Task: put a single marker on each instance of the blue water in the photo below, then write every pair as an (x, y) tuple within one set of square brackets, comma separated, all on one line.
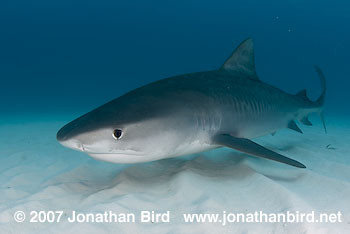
[(63, 56)]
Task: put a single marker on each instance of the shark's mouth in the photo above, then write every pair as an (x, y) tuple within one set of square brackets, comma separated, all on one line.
[(100, 150)]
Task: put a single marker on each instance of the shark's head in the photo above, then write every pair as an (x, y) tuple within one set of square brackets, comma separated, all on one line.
[(130, 130)]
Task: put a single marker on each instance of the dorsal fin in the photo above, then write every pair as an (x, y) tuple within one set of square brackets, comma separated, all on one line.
[(302, 94), (242, 60)]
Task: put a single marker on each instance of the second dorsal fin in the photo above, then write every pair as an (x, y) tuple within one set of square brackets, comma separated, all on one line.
[(302, 94)]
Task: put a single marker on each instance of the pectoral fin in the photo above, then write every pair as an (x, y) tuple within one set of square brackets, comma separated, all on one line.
[(252, 148)]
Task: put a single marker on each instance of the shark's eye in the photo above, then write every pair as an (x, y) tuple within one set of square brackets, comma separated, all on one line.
[(117, 134)]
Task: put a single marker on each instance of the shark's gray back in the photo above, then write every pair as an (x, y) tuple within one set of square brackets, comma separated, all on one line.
[(234, 101), (192, 113)]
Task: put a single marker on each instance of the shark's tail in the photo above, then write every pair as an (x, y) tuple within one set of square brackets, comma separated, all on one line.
[(320, 101)]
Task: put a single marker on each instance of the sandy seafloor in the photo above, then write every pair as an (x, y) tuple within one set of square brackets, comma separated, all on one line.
[(36, 173)]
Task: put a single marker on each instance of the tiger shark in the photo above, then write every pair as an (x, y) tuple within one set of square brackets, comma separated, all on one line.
[(191, 113)]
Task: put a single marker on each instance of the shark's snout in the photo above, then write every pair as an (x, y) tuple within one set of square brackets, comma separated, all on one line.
[(73, 144), (61, 135), (69, 130), (65, 133), (65, 137)]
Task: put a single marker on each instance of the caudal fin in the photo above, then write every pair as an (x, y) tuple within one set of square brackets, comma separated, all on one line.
[(322, 78), (320, 101)]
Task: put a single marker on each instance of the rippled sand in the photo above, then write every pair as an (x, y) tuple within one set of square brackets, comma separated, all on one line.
[(36, 173)]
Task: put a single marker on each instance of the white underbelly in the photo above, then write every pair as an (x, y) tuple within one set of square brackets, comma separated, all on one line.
[(191, 148)]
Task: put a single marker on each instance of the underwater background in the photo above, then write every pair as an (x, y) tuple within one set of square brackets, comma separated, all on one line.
[(60, 59), (60, 56)]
